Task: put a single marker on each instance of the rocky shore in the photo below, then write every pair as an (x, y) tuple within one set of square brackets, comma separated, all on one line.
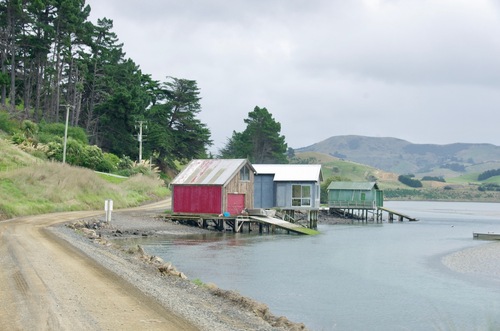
[(205, 305)]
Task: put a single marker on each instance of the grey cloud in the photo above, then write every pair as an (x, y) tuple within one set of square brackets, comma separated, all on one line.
[(325, 67)]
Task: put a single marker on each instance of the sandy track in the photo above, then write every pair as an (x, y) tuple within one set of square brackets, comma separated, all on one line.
[(47, 284)]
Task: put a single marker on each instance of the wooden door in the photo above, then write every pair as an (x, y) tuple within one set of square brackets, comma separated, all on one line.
[(235, 203)]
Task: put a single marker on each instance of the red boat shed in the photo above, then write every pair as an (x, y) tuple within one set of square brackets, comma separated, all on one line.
[(214, 186)]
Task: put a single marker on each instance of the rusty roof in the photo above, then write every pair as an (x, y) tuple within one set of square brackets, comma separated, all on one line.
[(210, 171)]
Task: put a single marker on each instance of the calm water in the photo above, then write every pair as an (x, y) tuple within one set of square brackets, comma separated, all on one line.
[(355, 277)]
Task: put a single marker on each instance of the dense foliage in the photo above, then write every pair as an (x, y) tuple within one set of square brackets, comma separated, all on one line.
[(261, 142), (434, 178), (489, 187), (454, 166), (409, 181), (54, 61), (488, 174)]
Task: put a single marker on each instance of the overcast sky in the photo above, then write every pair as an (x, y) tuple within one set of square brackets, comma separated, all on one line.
[(426, 71)]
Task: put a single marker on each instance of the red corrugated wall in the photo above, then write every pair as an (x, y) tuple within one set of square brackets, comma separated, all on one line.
[(197, 199)]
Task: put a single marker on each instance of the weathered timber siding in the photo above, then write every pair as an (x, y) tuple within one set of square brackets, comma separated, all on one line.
[(238, 186)]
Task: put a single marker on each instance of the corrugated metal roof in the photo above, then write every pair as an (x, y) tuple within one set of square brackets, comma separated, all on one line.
[(291, 172), (209, 171), (363, 186)]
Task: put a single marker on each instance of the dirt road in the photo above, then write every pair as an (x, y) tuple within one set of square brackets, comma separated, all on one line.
[(47, 284)]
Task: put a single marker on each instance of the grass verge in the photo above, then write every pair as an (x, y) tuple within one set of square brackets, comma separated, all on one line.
[(52, 187)]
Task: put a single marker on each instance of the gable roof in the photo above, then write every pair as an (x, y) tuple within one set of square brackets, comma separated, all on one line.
[(360, 186), (291, 172), (210, 171)]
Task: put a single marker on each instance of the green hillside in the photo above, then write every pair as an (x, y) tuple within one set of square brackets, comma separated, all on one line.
[(12, 157), (463, 187), (402, 157), (31, 186)]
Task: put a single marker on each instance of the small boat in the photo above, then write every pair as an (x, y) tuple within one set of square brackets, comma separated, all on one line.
[(486, 235)]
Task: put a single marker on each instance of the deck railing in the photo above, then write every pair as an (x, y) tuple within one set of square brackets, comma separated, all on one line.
[(352, 204)]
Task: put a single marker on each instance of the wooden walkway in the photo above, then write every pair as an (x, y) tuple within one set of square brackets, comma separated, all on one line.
[(236, 224), (401, 216), (283, 224)]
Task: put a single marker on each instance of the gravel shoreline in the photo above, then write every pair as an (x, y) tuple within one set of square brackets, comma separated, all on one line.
[(204, 305), (483, 260)]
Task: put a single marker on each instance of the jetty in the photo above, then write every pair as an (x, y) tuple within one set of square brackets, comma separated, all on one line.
[(256, 218), (400, 216), (486, 235), (279, 223)]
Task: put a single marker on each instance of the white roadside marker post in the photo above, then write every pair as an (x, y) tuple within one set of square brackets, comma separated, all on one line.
[(108, 208)]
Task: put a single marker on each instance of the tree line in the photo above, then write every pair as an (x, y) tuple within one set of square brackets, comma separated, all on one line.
[(54, 62), (488, 174)]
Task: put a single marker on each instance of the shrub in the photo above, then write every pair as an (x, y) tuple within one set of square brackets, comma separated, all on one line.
[(91, 157), (489, 187), (407, 180), (454, 167), (109, 163), (29, 129), (434, 178), (7, 124), (18, 138), (48, 131)]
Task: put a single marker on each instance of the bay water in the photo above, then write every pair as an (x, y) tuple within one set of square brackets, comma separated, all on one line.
[(385, 276)]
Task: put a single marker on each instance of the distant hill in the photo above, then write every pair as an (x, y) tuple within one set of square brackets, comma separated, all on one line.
[(402, 157)]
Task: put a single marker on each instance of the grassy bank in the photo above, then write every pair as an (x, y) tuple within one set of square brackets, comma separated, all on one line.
[(51, 187)]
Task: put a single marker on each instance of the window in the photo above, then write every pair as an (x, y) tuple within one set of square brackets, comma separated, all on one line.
[(301, 195), (244, 173)]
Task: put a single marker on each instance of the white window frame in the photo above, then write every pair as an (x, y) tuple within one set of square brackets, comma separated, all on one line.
[(304, 200)]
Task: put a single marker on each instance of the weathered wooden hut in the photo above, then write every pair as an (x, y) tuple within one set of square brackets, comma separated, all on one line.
[(287, 186), (214, 186), (355, 195)]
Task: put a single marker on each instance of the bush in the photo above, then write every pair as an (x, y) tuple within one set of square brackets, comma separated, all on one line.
[(18, 138), (29, 129), (407, 180), (434, 178), (109, 163), (54, 151), (91, 157), (489, 187), (48, 131), (7, 124), (454, 167)]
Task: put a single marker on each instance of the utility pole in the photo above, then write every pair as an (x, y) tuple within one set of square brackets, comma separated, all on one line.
[(66, 132), (139, 137)]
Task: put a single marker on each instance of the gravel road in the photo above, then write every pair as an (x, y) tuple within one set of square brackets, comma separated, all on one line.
[(55, 278)]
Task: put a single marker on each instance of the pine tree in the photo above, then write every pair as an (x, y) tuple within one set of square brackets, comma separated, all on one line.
[(261, 142)]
